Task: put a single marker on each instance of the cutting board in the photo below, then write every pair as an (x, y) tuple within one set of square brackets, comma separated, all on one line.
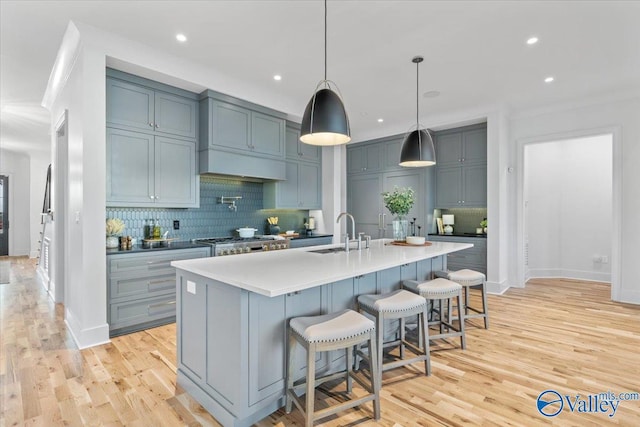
[(408, 244)]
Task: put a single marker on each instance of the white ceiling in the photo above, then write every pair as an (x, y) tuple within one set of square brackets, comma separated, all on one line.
[(475, 53)]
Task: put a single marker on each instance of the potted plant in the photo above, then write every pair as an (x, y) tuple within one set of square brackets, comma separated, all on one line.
[(483, 224), (113, 228), (399, 202)]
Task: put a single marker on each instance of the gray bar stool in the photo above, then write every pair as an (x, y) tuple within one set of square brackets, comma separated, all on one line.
[(470, 279), (342, 330), (441, 290), (398, 304)]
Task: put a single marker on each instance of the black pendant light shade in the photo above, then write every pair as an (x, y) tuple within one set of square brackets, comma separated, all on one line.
[(325, 120), (418, 150), (417, 147)]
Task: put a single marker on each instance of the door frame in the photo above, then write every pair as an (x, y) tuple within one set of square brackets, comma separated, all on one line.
[(60, 214), (6, 229), (616, 197)]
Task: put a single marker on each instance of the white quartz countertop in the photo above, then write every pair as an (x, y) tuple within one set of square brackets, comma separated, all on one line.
[(275, 273)]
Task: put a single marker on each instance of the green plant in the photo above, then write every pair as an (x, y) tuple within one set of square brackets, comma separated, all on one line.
[(399, 201), (483, 223), (114, 226)]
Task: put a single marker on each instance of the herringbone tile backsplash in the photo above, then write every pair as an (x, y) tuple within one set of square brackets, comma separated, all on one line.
[(212, 219)]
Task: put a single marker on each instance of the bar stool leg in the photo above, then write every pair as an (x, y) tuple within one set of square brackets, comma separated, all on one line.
[(376, 373), (484, 306), (402, 334), (349, 359), (466, 302), (290, 371), (379, 347), (311, 384), (463, 338), (423, 319)]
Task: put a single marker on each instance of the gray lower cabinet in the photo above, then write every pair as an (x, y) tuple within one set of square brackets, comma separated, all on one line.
[(147, 170), (136, 106), (474, 258), (141, 288), (237, 372)]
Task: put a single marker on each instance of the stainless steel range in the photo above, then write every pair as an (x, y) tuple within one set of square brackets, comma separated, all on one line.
[(221, 246)]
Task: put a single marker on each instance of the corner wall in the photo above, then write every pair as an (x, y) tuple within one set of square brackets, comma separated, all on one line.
[(16, 167)]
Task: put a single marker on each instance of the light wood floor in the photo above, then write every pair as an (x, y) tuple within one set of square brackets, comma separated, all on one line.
[(555, 334)]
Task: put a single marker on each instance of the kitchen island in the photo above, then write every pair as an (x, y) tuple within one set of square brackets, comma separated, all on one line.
[(232, 314)]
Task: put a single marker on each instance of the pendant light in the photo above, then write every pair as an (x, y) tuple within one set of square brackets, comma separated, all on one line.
[(325, 120), (417, 148)]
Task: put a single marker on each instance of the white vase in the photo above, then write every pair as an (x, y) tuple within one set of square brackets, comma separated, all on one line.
[(112, 242)]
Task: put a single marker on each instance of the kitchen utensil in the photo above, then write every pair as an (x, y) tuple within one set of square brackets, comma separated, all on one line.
[(246, 232)]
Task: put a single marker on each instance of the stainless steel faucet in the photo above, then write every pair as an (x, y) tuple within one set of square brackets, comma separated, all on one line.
[(353, 228)]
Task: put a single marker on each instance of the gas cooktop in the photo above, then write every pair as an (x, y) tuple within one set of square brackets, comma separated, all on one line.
[(215, 240)]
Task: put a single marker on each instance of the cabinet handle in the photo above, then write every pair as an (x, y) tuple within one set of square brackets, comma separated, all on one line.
[(152, 197), (157, 197), (293, 293), (379, 221), (160, 305), (151, 283), (157, 126), (151, 124)]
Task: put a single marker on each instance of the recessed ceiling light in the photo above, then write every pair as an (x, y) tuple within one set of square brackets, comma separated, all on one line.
[(380, 120), (549, 79), (277, 77), (181, 37), (431, 94), (532, 40)]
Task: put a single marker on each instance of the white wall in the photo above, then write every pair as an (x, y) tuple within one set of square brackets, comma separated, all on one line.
[(16, 167), (622, 118), (568, 196)]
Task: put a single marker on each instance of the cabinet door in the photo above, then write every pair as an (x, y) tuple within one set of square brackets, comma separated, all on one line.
[(304, 303), (449, 149), (392, 154), (474, 186), (367, 158), (129, 105), (130, 168), (309, 185), (310, 153), (297, 150), (175, 115), (230, 126), (287, 191), (474, 146), (448, 185), (266, 349), (364, 202), (267, 135), (408, 177), (175, 172)]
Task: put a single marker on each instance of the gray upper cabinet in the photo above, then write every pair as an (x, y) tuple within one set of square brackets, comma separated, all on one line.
[(365, 158), (146, 170), (392, 154), (467, 145), (138, 107), (461, 168), (302, 188), (239, 138), (297, 150), (151, 144)]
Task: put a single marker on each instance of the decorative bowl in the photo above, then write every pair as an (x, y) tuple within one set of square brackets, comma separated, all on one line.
[(416, 240)]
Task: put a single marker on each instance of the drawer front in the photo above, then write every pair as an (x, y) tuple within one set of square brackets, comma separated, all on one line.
[(157, 263), (144, 310), (142, 286), (467, 256)]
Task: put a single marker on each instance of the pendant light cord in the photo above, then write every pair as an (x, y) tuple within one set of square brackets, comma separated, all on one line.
[(417, 90), (325, 40)]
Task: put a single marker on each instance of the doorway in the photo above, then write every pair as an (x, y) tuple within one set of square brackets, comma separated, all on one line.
[(60, 226), (569, 206), (4, 215)]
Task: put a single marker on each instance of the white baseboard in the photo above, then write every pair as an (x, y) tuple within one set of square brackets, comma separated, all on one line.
[(547, 273), (33, 254), (630, 296), (87, 337), (497, 288)]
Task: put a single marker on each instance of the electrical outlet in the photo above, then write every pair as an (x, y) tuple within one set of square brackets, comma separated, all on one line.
[(176, 224), (604, 259), (597, 258)]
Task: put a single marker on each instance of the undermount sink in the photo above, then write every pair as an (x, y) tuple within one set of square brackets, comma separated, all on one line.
[(328, 250)]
